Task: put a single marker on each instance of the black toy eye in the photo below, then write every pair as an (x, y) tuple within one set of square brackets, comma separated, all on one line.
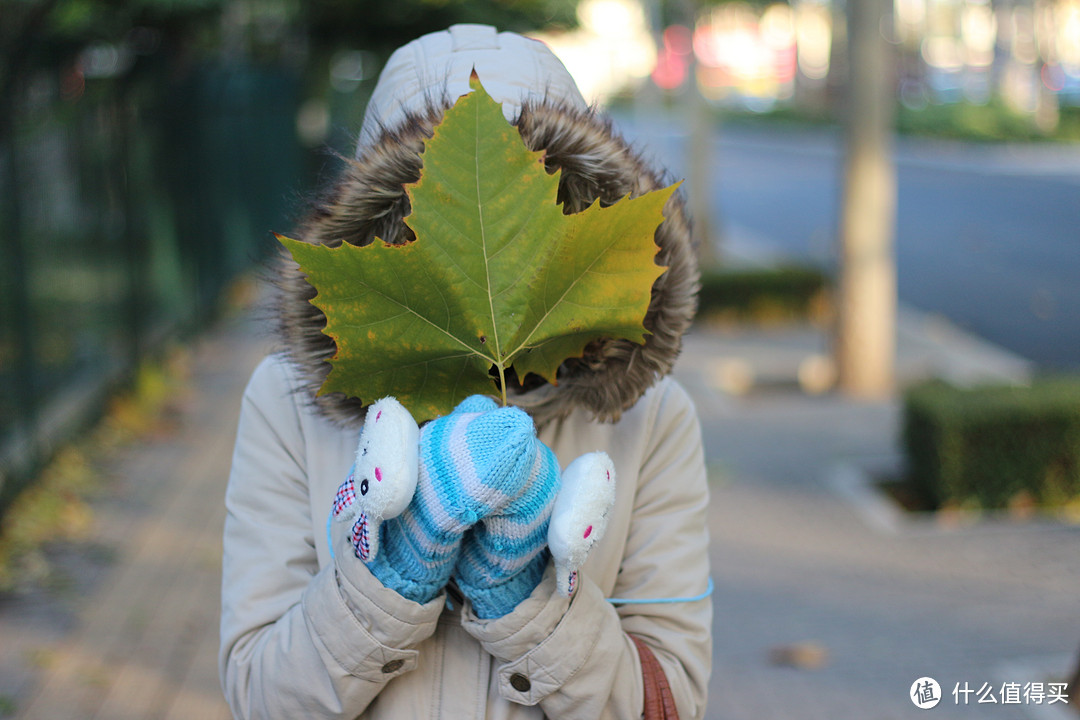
[(363, 486), (363, 452)]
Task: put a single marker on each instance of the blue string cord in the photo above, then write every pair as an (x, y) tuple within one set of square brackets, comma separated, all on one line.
[(329, 541), (662, 601)]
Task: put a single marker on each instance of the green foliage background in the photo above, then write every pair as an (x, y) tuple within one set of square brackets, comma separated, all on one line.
[(986, 447)]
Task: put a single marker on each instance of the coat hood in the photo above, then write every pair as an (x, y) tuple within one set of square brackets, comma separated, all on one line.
[(421, 80)]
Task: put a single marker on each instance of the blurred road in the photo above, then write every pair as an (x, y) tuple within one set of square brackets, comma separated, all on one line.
[(987, 236)]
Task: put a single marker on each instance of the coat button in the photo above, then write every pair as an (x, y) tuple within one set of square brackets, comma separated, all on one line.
[(520, 683), (393, 666)]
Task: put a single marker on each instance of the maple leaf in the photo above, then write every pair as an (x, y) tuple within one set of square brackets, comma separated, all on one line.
[(498, 276)]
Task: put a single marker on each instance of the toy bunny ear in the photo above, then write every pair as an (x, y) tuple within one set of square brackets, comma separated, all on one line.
[(579, 517), (384, 476)]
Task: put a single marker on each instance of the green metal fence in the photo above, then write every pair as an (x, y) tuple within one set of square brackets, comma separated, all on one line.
[(127, 203)]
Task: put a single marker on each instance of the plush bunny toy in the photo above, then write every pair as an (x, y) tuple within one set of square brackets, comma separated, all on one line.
[(474, 495)]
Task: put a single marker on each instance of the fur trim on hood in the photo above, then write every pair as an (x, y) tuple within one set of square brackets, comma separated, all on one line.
[(370, 201)]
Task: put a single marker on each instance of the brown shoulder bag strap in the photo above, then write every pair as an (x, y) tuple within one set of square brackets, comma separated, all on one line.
[(659, 703)]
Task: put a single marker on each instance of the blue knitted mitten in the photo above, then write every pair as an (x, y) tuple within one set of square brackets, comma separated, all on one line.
[(472, 463), (504, 556)]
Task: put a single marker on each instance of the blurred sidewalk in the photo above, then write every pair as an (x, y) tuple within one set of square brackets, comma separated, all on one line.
[(134, 632), (859, 607), (830, 602)]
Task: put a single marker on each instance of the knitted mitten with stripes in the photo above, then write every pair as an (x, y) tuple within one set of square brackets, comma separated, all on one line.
[(504, 554)]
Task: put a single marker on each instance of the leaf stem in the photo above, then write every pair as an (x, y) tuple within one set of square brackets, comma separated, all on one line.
[(502, 382)]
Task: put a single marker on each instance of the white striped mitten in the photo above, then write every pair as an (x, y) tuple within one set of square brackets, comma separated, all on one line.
[(472, 463), (503, 557)]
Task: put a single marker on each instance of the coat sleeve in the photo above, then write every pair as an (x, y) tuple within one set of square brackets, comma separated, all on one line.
[(297, 641), (575, 658)]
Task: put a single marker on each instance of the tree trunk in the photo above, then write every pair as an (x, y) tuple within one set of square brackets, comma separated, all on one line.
[(866, 308), (699, 159)]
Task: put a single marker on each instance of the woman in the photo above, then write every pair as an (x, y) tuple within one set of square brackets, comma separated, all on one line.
[(309, 629)]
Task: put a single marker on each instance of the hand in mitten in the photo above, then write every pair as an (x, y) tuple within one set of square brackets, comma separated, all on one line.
[(504, 556), (470, 464)]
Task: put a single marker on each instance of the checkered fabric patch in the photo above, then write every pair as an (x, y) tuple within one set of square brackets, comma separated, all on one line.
[(346, 495), (360, 543)]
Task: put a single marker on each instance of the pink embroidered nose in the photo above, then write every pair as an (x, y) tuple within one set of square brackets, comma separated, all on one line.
[(378, 415), (588, 532), (608, 473), (378, 474)]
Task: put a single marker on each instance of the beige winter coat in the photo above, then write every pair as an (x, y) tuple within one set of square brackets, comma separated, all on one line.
[(305, 635)]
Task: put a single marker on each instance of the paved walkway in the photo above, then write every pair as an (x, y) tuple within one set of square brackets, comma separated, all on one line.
[(798, 564), (142, 642)]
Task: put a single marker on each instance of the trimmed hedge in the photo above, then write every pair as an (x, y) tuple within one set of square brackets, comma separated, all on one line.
[(989, 446), (789, 292)]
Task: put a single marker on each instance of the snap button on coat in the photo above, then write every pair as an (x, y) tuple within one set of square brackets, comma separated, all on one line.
[(520, 683), (393, 666)]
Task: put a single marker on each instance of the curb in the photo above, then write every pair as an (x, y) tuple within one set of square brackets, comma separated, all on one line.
[(852, 481)]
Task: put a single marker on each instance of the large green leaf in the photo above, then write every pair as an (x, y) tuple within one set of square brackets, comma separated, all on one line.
[(497, 277)]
